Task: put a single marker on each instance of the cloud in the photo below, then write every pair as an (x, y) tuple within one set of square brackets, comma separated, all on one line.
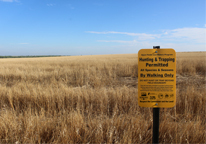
[(23, 43), (9, 0), (141, 36), (50, 4), (180, 35), (118, 41), (197, 35), (183, 47)]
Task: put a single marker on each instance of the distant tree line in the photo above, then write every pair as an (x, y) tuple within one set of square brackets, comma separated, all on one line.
[(35, 56)]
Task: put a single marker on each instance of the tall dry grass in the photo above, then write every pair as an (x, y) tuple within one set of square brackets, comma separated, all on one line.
[(93, 99)]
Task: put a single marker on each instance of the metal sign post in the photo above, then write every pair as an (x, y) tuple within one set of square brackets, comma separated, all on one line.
[(155, 134), (156, 113)]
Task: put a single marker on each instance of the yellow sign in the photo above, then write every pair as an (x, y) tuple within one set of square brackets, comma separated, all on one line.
[(157, 78)]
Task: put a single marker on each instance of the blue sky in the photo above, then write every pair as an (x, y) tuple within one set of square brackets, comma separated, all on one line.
[(90, 27)]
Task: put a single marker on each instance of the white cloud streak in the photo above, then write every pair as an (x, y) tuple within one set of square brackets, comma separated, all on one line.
[(50, 4), (118, 41), (23, 43), (142, 36), (182, 35), (197, 35), (9, 0)]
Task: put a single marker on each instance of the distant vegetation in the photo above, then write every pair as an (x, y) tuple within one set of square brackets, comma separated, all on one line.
[(30, 56)]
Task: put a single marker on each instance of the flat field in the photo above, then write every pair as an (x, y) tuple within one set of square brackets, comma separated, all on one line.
[(93, 99)]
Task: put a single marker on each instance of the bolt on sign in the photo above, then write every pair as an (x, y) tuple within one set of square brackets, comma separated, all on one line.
[(157, 78)]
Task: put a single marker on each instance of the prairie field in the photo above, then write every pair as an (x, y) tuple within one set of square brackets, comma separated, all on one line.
[(93, 99)]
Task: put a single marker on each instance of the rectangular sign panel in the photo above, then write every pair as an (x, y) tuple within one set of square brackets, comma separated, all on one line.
[(157, 78)]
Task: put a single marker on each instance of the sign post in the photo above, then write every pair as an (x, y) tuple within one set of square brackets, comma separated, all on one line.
[(156, 81), (155, 132), (156, 113)]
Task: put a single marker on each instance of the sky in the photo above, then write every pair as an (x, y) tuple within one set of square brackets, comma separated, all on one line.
[(93, 27)]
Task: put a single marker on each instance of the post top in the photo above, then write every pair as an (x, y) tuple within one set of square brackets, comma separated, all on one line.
[(156, 47)]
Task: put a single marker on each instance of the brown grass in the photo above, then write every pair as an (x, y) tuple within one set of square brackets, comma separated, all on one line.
[(93, 99)]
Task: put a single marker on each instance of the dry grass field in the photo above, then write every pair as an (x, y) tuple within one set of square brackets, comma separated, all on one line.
[(93, 99)]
